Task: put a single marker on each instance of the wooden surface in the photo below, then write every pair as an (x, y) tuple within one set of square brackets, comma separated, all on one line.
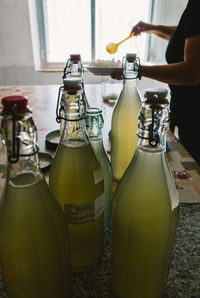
[(42, 100)]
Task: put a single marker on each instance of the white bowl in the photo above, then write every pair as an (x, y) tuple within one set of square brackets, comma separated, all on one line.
[(102, 71)]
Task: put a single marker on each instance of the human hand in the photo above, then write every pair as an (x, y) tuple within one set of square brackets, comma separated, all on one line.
[(117, 75), (141, 27)]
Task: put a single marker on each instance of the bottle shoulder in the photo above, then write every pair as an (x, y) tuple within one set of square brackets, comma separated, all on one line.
[(129, 96), (150, 166), (147, 183)]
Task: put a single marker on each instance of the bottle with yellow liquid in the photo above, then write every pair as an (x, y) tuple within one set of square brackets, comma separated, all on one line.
[(94, 124), (124, 119), (74, 68), (76, 181), (145, 209), (34, 239)]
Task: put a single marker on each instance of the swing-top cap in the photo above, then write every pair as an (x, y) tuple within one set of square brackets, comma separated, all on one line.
[(75, 57), (131, 56), (72, 83), (17, 102), (160, 93)]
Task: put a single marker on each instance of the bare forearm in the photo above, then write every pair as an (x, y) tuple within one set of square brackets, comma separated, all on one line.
[(181, 73), (164, 32)]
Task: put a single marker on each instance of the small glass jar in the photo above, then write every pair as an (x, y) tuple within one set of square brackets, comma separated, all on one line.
[(110, 89)]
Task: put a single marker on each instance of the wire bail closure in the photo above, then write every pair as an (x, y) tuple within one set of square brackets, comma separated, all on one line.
[(65, 72), (14, 156), (58, 116), (59, 108), (153, 138), (136, 68)]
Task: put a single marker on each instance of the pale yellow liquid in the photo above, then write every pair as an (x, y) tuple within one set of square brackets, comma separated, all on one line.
[(76, 178), (107, 175), (144, 221), (124, 131), (34, 252)]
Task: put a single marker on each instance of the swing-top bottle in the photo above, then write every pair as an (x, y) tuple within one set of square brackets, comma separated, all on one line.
[(74, 68), (145, 209), (124, 119), (76, 180), (34, 249), (94, 124)]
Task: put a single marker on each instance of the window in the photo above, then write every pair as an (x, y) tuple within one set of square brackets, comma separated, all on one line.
[(87, 26)]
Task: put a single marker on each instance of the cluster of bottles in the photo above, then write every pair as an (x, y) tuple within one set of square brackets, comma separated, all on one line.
[(48, 231)]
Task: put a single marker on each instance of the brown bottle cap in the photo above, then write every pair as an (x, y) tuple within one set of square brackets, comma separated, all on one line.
[(17, 102)]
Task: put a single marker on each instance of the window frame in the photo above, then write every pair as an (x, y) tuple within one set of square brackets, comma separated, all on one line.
[(38, 32)]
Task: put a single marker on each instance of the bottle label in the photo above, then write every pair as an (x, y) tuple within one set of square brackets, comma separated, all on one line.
[(83, 213), (98, 176)]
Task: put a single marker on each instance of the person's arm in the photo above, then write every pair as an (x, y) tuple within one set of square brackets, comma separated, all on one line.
[(180, 73), (162, 31)]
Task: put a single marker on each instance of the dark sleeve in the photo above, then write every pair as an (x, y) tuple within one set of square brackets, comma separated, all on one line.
[(192, 18)]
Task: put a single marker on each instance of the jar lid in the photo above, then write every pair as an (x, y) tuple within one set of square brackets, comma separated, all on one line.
[(19, 102), (72, 83), (45, 161), (131, 56), (75, 57), (52, 140), (161, 93)]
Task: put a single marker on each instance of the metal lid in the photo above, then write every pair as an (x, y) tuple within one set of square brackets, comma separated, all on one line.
[(18, 102), (52, 140), (45, 161)]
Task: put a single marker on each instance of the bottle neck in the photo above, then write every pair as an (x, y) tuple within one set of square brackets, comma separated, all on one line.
[(129, 82), (153, 123), (75, 69), (156, 144), (94, 124), (74, 132), (74, 114), (94, 131), (130, 71), (24, 166)]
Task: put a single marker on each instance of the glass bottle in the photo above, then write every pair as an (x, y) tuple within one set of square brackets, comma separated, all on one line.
[(76, 181), (94, 124), (145, 209), (34, 250), (74, 68), (124, 119)]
